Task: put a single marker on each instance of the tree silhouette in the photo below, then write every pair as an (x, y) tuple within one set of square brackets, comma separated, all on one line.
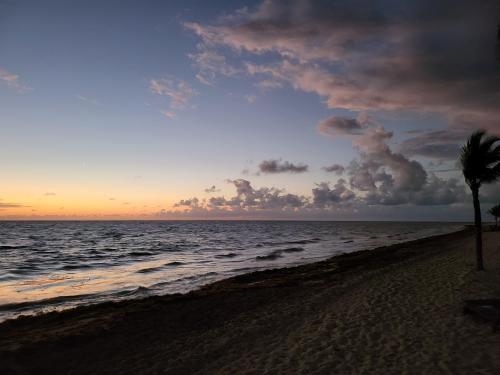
[(495, 212), (480, 161)]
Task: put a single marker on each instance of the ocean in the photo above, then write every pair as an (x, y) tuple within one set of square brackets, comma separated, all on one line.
[(57, 265)]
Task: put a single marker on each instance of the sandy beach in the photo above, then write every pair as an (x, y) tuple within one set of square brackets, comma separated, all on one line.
[(393, 310)]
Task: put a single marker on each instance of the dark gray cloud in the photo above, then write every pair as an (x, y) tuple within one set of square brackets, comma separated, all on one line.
[(448, 151), (438, 144), (339, 126), (211, 189), (278, 166), (435, 192), (375, 55), (335, 168), (325, 197)]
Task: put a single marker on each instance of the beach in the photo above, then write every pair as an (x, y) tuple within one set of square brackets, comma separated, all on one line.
[(392, 310)]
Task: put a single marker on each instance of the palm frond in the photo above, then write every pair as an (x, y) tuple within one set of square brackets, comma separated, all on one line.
[(480, 158), (486, 148)]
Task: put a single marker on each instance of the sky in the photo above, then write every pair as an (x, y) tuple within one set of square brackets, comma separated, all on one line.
[(301, 109)]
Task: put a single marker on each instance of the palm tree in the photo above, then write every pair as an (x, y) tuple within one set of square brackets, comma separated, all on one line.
[(495, 212), (480, 161)]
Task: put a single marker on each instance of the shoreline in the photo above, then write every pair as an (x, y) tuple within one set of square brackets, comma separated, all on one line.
[(237, 304)]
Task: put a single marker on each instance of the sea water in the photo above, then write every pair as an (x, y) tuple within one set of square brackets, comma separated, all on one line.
[(57, 265)]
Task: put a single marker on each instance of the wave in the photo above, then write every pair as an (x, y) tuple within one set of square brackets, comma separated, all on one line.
[(303, 242), (133, 292), (155, 269), (293, 242), (196, 277), (293, 249), (271, 256), (75, 266), (140, 253), (149, 270), (114, 234), (228, 255), (279, 253), (174, 264), (22, 306), (11, 247)]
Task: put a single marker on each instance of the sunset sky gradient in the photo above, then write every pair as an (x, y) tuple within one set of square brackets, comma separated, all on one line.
[(341, 110)]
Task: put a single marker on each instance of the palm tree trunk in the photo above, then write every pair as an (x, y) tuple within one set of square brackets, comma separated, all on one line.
[(478, 228)]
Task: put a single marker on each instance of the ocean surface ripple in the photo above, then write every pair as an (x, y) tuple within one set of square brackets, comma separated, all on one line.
[(56, 265)]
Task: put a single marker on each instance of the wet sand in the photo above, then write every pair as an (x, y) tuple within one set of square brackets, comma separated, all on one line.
[(393, 310)]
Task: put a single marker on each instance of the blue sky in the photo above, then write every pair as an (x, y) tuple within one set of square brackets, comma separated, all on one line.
[(125, 109)]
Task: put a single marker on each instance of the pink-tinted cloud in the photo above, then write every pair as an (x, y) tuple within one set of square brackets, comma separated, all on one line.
[(12, 80), (179, 92), (421, 56)]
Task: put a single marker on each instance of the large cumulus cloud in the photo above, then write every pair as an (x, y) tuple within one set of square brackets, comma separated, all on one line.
[(385, 177)]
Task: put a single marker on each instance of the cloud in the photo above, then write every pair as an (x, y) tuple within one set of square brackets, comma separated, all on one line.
[(179, 92), (87, 100), (268, 84), (50, 194), (334, 168), (324, 196), (390, 178), (339, 126), (377, 177), (168, 114), (10, 205), (384, 177), (251, 98), (278, 166), (247, 199), (12, 80), (192, 203), (406, 174), (210, 64), (211, 189), (366, 55), (438, 144)]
